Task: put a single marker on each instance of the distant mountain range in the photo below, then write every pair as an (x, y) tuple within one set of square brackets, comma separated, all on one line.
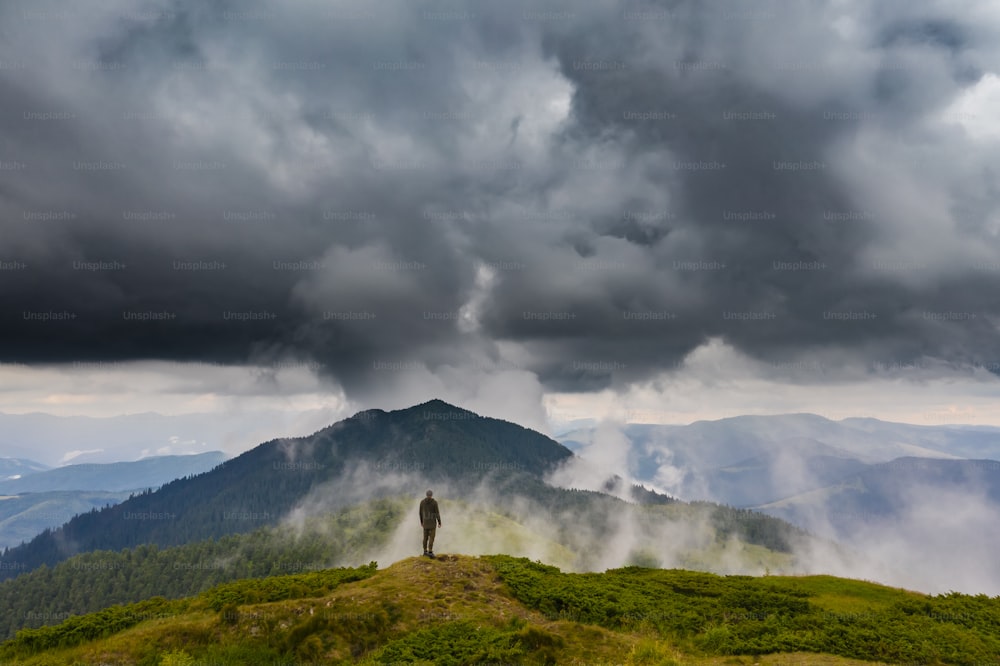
[(60, 440), (137, 475), (755, 460), (886, 493), (42, 498), (15, 468)]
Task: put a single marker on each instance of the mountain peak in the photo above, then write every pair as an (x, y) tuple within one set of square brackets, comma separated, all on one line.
[(437, 405), (365, 414)]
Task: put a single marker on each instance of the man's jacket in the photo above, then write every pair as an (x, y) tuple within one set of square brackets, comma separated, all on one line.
[(430, 518)]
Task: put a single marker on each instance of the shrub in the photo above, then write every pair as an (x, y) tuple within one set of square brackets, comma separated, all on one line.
[(729, 615), (176, 658)]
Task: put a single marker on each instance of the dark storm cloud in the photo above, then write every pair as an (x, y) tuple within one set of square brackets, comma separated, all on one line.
[(236, 182), (761, 228)]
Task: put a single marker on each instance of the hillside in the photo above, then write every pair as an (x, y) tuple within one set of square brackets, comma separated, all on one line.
[(370, 454), (498, 609), (705, 537)]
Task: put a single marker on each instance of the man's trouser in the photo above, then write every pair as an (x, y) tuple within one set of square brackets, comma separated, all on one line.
[(429, 539)]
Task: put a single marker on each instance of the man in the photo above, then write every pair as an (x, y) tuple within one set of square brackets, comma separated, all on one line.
[(430, 520)]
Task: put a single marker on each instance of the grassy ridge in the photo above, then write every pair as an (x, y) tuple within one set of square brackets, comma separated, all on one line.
[(746, 615), (463, 610)]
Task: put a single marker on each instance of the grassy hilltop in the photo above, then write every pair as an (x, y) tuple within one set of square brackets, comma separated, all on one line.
[(500, 609)]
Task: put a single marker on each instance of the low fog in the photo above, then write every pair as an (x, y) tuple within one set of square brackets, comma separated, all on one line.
[(943, 540), (608, 532)]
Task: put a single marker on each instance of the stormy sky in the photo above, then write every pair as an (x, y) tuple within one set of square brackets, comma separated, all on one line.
[(537, 210)]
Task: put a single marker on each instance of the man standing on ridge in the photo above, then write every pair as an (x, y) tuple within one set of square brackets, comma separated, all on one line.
[(430, 520)]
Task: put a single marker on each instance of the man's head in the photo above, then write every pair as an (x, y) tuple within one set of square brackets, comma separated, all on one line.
[(430, 493)]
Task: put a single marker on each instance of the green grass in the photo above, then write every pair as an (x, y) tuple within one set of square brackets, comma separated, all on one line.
[(500, 609), (277, 588), (453, 644)]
